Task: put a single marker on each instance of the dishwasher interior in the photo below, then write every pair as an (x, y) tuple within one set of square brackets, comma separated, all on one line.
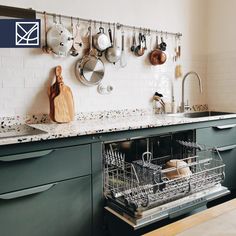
[(152, 178)]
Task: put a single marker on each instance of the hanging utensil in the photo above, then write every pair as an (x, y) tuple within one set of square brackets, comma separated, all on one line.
[(123, 60), (139, 50), (73, 51), (178, 67), (77, 43), (145, 40), (133, 42), (162, 45), (157, 56), (90, 69), (113, 53), (45, 48)]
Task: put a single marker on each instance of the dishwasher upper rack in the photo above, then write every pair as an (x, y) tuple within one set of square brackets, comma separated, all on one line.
[(126, 186)]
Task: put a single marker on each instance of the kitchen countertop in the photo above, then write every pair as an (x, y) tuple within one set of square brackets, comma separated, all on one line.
[(102, 125)]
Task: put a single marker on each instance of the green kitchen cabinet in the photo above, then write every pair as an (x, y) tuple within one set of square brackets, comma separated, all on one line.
[(58, 209), (46, 192), (24, 170), (223, 138)]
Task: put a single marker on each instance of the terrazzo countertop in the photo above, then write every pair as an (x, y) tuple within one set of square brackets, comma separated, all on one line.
[(46, 130)]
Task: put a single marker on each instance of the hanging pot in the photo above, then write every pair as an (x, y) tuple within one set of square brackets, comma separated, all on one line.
[(90, 69), (157, 56), (113, 53), (101, 41), (59, 39)]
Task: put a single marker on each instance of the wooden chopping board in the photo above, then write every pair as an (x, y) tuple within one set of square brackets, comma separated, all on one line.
[(61, 100), (64, 105)]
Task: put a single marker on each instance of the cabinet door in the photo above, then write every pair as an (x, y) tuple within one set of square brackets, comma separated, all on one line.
[(25, 170), (218, 136), (228, 154), (61, 209)]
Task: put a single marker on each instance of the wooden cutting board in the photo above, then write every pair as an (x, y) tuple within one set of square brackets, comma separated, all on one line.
[(61, 100), (64, 105)]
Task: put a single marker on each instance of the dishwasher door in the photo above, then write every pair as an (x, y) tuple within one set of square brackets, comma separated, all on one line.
[(169, 210)]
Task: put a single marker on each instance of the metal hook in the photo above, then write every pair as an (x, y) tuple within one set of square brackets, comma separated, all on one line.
[(60, 19), (119, 26), (54, 18), (90, 25), (71, 22), (122, 30)]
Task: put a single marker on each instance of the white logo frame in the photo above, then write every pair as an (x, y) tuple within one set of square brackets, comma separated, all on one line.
[(26, 37)]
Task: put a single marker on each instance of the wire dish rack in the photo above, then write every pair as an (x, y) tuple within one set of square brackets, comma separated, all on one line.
[(146, 183)]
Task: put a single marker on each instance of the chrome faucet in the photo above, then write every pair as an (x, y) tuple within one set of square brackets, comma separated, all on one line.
[(182, 107)]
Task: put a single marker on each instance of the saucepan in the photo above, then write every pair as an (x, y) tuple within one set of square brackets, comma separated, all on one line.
[(157, 56), (90, 69), (101, 41)]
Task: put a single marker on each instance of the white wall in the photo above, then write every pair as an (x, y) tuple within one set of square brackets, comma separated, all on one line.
[(26, 73), (221, 72)]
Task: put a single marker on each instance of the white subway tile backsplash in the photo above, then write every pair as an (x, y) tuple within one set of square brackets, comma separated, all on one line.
[(12, 62), (30, 72), (13, 78)]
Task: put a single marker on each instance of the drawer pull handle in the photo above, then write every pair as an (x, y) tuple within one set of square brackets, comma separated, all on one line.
[(26, 192), (226, 148), (225, 126), (24, 156)]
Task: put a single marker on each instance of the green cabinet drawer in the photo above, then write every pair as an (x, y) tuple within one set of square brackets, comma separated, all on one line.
[(58, 210), (216, 136), (228, 154), (36, 168)]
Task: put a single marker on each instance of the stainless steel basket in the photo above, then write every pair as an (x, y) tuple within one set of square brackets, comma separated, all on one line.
[(135, 186)]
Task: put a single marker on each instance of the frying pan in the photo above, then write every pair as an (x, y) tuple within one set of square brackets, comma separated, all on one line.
[(113, 53), (90, 69)]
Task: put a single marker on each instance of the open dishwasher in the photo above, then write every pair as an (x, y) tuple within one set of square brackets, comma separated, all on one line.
[(150, 179)]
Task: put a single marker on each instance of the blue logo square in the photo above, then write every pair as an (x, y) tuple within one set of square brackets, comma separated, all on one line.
[(20, 33)]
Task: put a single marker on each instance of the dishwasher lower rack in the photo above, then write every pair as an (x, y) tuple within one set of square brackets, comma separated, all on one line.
[(138, 189)]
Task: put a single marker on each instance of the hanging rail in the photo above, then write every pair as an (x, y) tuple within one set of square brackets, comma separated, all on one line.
[(118, 25)]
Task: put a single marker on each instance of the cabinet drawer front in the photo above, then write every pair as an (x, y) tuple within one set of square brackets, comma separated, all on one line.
[(228, 154), (37, 168), (63, 209), (217, 135)]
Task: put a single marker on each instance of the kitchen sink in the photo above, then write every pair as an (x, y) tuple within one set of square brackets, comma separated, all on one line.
[(205, 114), (200, 114), (13, 131)]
